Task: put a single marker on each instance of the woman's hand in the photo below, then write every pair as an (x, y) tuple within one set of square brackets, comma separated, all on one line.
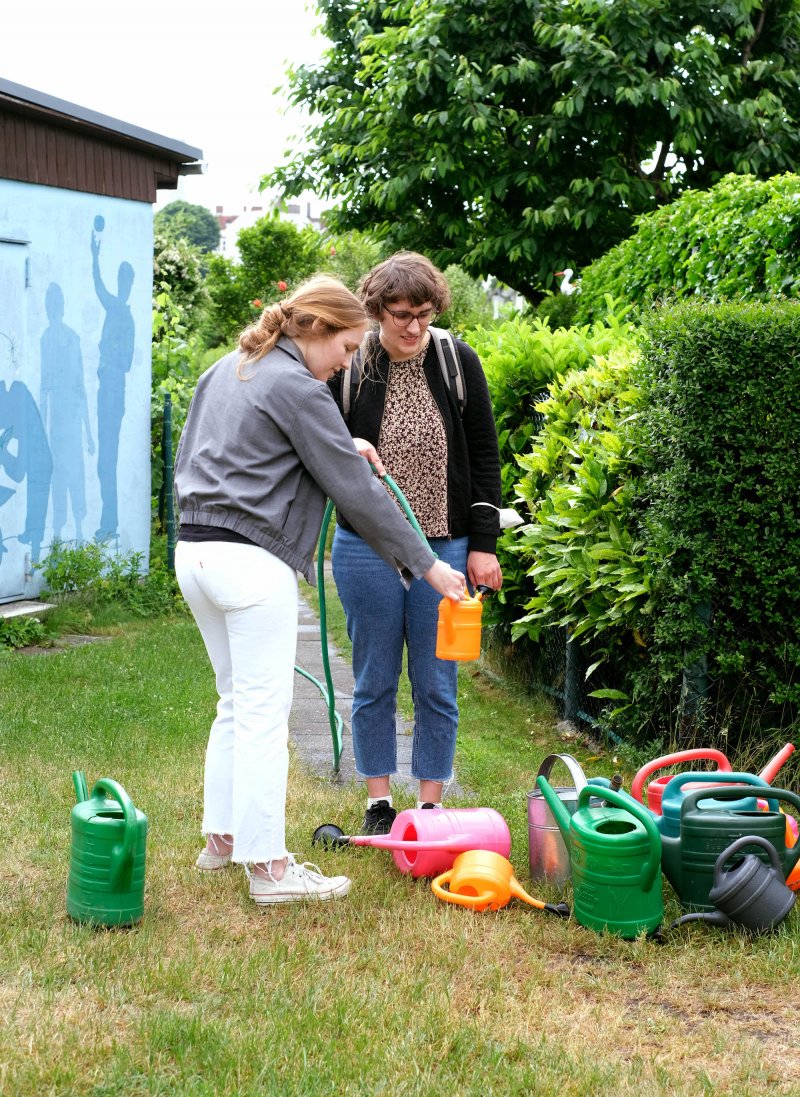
[(484, 570), (446, 580), (366, 449)]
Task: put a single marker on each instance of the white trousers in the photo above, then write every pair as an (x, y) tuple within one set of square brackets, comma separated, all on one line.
[(244, 601)]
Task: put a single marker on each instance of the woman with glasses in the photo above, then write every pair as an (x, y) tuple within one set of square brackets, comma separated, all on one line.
[(447, 465)]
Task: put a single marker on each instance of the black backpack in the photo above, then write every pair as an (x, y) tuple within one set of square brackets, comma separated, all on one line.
[(449, 362)]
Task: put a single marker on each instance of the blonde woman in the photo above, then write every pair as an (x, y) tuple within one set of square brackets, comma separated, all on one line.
[(262, 448)]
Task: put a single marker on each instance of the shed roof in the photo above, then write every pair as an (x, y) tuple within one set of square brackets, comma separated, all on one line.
[(55, 143)]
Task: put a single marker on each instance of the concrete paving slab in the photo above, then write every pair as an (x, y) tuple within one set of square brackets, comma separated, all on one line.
[(309, 724)]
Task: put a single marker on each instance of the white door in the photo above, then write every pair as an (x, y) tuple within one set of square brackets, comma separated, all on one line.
[(15, 561)]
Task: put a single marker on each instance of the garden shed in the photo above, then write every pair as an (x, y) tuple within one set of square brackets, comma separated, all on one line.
[(76, 259)]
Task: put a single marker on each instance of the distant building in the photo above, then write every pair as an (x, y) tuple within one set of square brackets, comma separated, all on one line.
[(76, 275), (302, 212)]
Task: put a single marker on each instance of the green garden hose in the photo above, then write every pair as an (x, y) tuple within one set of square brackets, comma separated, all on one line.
[(334, 718)]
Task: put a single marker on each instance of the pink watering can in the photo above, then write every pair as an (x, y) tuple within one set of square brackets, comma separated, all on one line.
[(426, 842)]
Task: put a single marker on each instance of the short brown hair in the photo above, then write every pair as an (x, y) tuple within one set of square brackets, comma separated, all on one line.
[(405, 276)]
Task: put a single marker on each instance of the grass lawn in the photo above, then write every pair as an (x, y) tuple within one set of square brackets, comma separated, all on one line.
[(387, 992)]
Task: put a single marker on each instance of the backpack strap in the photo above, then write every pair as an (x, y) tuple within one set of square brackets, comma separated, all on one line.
[(351, 380), (450, 364)]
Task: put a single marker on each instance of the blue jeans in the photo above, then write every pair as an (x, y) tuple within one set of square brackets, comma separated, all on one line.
[(382, 616)]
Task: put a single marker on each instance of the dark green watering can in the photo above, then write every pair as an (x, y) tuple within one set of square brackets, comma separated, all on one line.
[(705, 831), (615, 858), (106, 872)]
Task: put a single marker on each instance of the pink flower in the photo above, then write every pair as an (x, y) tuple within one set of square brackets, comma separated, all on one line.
[(282, 286), (258, 304), (333, 250)]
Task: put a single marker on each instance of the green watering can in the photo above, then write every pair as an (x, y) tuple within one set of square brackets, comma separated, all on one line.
[(615, 856), (106, 872), (688, 859)]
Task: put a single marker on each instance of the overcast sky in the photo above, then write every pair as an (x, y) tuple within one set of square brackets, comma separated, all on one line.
[(203, 75)]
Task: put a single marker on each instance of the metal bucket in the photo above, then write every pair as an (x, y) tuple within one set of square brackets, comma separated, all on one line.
[(547, 853)]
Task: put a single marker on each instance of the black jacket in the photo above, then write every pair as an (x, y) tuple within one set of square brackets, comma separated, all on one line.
[(473, 460)]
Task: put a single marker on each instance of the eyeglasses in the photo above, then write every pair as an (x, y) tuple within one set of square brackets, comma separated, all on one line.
[(402, 319)]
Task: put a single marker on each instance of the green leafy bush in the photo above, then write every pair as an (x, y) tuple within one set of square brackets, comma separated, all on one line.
[(91, 575), (740, 239), (470, 306), (521, 360), (21, 632)]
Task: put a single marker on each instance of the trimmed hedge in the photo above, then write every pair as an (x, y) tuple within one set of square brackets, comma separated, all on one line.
[(722, 387)]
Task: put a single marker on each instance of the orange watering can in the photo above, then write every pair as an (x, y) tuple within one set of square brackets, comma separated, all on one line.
[(483, 880), (458, 633)]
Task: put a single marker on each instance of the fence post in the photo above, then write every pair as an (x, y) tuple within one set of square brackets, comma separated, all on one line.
[(169, 501), (572, 680)]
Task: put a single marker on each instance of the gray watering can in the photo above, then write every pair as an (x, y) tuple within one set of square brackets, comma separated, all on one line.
[(750, 893), (548, 856)]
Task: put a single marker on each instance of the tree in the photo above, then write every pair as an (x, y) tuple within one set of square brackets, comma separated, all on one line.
[(519, 138), (176, 269), (183, 221), (274, 257)]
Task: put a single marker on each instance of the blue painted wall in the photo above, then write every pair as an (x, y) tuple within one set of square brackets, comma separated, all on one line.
[(76, 274)]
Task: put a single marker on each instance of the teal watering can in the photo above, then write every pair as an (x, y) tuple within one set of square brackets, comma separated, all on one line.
[(615, 858), (669, 821), (106, 872), (706, 829)]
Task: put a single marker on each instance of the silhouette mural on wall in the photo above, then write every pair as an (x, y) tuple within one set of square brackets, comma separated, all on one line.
[(65, 413), (116, 356), (24, 452)]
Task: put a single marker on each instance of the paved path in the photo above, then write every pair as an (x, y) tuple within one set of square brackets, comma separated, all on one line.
[(309, 726)]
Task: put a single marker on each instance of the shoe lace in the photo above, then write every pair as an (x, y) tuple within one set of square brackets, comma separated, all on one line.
[(380, 812), (306, 868)]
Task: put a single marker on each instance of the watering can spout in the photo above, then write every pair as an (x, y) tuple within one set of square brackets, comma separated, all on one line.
[(770, 770), (80, 785), (560, 813)]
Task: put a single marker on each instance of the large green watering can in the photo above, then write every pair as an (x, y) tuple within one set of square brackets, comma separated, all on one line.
[(688, 859), (106, 872), (615, 857)]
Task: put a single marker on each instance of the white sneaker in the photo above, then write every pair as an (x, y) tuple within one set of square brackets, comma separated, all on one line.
[(298, 882), (212, 862)]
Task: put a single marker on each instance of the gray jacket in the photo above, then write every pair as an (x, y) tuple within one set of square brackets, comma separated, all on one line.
[(259, 456)]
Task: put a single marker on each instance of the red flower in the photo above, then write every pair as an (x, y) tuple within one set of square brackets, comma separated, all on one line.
[(283, 286), (258, 304), (333, 250)]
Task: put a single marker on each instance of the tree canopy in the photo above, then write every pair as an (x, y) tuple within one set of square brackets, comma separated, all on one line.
[(519, 138), (181, 220)]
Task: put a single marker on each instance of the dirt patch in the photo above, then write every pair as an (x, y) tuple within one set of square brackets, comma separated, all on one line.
[(63, 643)]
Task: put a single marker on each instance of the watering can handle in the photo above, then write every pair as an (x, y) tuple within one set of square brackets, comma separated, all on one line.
[(696, 755), (80, 786), (741, 843), (572, 764), (446, 610), (473, 901), (732, 792), (622, 800), (122, 855), (745, 782)]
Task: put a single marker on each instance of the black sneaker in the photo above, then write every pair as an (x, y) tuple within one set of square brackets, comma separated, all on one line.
[(427, 806), (379, 818)]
